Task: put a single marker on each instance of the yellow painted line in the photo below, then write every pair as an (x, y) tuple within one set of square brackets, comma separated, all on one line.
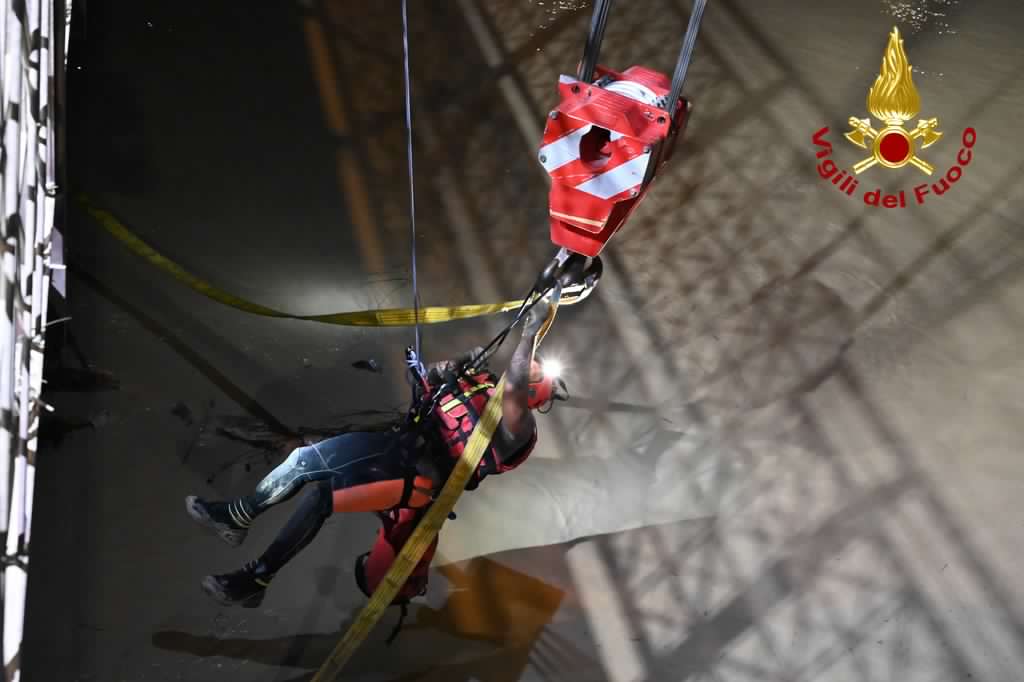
[(358, 200), (326, 77), (353, 184)]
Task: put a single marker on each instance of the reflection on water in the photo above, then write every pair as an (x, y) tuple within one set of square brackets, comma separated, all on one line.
[(553, 10), (920, 14)]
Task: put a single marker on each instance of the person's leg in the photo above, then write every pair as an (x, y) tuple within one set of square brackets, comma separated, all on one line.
[(249, 584), (320, 461), (386, 493), (371, 459)]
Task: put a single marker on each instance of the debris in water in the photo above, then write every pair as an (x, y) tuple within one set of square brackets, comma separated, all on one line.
[(181, 411), (307, 363), (368, 365)]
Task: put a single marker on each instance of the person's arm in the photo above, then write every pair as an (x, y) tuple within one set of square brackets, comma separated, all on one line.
[(517, 422)]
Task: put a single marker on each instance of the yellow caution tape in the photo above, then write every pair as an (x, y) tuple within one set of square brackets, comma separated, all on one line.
[(426, 530), (384, 317)]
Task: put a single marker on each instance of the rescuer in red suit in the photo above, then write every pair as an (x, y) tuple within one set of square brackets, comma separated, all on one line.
[(395, 473)]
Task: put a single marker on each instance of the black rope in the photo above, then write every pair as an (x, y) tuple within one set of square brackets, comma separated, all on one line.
[(398, 626), (19, 560)]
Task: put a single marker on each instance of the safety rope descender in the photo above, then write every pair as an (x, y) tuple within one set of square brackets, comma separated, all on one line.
[(608, 137)]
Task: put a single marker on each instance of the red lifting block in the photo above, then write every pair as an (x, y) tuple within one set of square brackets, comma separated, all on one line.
[(602, 147)]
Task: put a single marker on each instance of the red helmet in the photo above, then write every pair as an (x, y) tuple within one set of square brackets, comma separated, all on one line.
[(544, 388)]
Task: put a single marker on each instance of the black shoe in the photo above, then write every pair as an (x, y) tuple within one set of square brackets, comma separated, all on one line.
[(217, 516), (246, 586)]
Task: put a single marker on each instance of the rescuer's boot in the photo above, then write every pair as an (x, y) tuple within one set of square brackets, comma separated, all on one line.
[(229, 520), (246, 586)]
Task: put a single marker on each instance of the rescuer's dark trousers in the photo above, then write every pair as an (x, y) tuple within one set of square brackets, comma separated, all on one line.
[(352, 472)]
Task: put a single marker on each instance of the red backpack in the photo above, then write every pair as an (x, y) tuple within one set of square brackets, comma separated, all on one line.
[(372, 566)]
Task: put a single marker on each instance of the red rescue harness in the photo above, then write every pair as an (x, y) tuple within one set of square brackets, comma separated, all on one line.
[(458, 410), (460, 403)]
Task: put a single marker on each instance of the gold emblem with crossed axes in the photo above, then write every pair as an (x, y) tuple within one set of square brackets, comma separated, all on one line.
[(893, 99)]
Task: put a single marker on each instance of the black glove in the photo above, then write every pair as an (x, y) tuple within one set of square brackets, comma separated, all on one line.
[(436, 370)]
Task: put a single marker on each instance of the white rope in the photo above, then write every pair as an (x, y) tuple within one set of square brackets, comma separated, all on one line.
[(634, 90), (412, 188)]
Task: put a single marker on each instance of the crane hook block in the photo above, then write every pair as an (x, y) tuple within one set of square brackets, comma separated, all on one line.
[(602, 147)]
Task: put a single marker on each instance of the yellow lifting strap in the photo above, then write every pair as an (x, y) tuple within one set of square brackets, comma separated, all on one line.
[(384, 317), (421, 538), (455, 402), (427, 529)]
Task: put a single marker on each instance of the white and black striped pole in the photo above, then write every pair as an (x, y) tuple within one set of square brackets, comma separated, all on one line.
[(27, 191)]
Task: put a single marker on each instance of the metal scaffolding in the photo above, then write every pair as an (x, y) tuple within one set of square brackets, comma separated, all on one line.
[(34, 63)]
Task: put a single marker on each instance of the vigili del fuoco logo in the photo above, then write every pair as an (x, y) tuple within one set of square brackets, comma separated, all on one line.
[(893, 100)]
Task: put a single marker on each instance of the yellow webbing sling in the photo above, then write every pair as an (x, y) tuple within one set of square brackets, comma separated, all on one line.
[(427, 529)]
